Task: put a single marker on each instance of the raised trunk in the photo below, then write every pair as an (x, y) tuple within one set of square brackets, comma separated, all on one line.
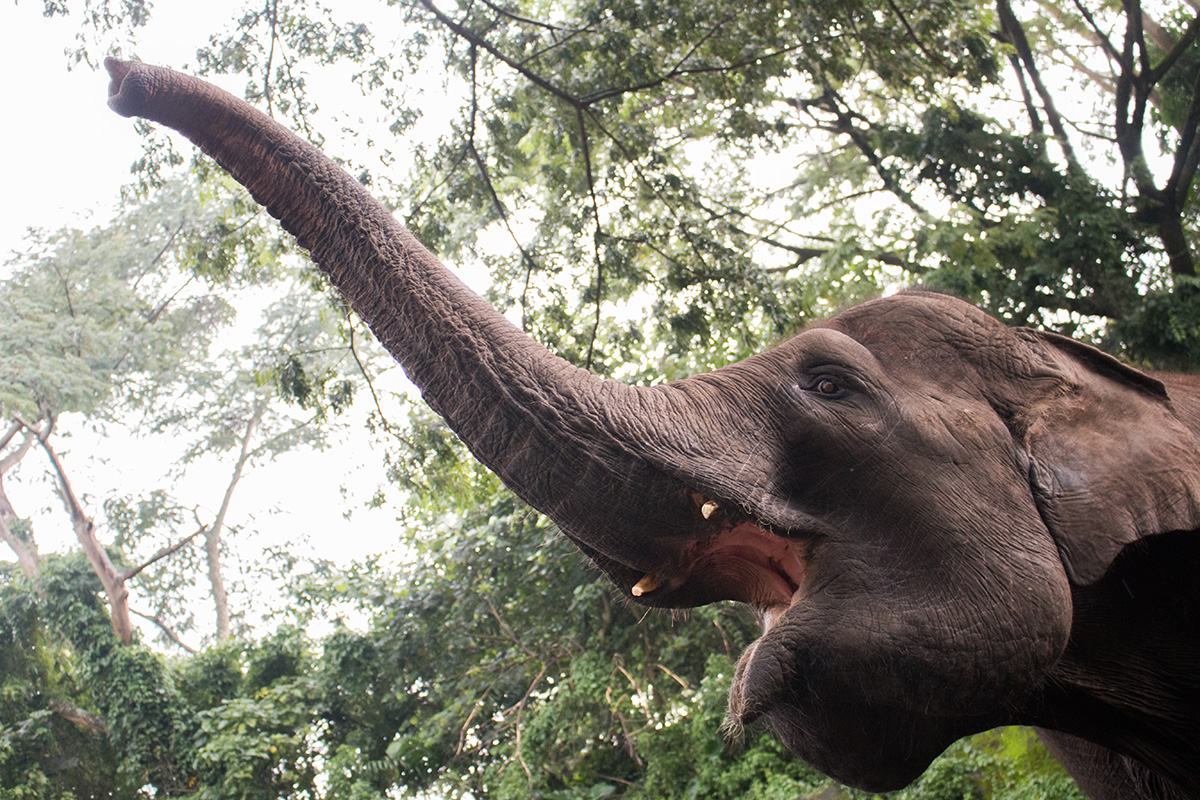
[(578, 448)]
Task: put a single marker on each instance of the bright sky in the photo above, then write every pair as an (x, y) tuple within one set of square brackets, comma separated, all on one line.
[(69, 155), (66, 152)]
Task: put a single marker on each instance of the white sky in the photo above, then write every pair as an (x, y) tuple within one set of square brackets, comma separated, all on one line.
[(68, 156), (66, 152)]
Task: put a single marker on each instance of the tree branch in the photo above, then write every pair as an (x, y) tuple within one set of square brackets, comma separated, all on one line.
[(1187, 156), (167, 630), (25, 549), (13, 458), (71, 713), (161, 554), (832, 103), (362, 368), (1014, 33), (26, 553), (684, 231), (477, 40), (1182, 45), (161, 252), (530, 264), (1098, 34), (12, 431), (554, 29), (212, 539), (512, 637), (912, 34), (466, 726), (272, 11), (85, 532), (1035, 119), (596, 234)]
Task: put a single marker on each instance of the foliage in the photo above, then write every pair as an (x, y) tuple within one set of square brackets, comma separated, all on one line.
[(42, 755), (654, 188), (725, 174)]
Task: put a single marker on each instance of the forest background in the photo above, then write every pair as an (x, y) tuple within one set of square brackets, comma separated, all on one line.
[(651, 189)]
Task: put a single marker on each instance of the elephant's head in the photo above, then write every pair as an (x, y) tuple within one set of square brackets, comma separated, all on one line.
[(905, 492)]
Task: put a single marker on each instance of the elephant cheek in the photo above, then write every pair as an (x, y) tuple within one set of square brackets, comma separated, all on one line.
[(866, 745)]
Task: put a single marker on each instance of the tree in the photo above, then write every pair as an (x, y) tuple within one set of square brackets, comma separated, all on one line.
[(657, 189), (114, 328)]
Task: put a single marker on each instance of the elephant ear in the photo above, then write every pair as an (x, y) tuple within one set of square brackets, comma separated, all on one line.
[(1110, 461)]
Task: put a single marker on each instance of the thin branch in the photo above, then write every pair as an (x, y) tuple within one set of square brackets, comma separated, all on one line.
[(680, 72), (8, 437), (157, 312), (507, 630), (679, 68), (1101, 38), (1187, 156), (913, 35), (675, 677), (416, 206), (272, 11), (161, 252), (167, 630), (161, 554), (520, 713), (530, 264), (1012, 30), (213, 534), (526, 20), (66, 289), (1035, 119), (554, 45), (832, 103), (1185, 42), (684, 230), (634, 684), (477, 40), (579, 103), (462, 732), (596, 234), (362, 368), (13, 458)]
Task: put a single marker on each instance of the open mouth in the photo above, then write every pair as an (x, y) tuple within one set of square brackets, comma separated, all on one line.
[(741, 560)]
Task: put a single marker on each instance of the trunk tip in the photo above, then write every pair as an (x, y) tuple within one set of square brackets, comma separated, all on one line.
[(124, 96)]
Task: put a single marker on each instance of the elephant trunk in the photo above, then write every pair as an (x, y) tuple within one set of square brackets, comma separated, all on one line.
[(617, 467)]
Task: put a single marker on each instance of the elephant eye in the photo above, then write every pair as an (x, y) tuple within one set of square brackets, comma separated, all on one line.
[(827, 386)]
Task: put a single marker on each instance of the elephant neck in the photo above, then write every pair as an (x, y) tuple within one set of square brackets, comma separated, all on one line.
[(1128, 679)]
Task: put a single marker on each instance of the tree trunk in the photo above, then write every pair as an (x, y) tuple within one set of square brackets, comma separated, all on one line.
[(24, 548), (212, 536), (85, 531)]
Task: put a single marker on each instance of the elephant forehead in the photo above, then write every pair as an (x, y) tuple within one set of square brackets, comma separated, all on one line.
[(913, 326), (811, 348)]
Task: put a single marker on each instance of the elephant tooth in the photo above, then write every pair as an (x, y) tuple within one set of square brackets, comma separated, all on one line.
[(709, 508), (646, 585)]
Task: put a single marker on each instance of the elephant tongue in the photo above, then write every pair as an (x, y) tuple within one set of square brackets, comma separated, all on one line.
[(742, 562)]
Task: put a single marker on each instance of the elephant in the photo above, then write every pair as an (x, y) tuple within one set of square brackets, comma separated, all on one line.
[(944, 523)]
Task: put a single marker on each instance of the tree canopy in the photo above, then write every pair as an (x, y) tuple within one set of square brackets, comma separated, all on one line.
[(652, 189)]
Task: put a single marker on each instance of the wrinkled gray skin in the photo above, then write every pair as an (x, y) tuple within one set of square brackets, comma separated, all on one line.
[(946, 524)]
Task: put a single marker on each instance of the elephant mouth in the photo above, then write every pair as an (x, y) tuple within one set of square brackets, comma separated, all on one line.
[(740, 560)]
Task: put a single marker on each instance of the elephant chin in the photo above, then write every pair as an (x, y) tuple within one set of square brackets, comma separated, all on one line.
[(864, 744)]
